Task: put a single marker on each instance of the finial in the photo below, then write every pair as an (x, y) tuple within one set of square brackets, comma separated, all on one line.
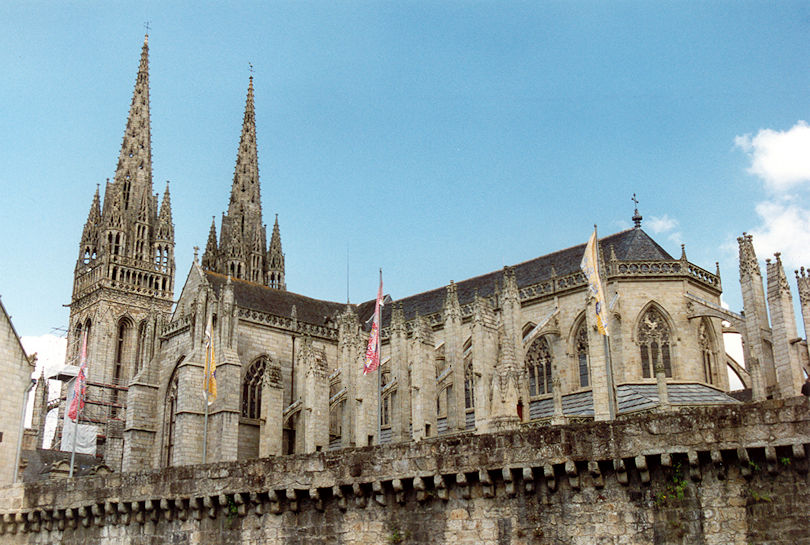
[(147, 25), (250, 65), (683, 252), (196, 251), (636, 216)]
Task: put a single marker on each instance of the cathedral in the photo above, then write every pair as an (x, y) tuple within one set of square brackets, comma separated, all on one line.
[(484, 354)]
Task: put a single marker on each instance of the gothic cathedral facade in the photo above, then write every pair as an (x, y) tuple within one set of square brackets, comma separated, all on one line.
[(484, 354)]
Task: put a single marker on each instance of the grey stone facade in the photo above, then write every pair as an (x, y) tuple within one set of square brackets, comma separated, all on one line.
[(481, 355)]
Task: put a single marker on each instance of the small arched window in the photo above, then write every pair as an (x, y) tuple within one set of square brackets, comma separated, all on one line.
[(706, 351), (654, 343), (252, 389), (581, 350)]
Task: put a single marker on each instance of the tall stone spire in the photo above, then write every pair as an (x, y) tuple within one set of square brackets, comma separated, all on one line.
[(134, 170), (245, 191), (165, 227), (209, 259), (88, 248), (243, 239), (275, 260)]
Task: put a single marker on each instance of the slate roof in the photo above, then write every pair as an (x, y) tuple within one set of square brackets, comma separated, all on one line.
[(629, 245), (633, 397), (277, 302)]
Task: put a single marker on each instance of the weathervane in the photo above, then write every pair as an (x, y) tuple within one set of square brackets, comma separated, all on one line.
[(250, 64)]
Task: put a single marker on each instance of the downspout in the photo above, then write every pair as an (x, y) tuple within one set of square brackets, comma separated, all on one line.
[(22, 429)]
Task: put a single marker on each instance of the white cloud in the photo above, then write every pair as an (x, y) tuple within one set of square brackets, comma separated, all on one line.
[(780, 158), (785, 228), (661, 224), (676, 238)]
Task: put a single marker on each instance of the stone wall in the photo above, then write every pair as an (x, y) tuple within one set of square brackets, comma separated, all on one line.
[(16, 371), (733, 474)]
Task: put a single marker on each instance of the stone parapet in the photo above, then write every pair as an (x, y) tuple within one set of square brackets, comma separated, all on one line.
[(721, 465)]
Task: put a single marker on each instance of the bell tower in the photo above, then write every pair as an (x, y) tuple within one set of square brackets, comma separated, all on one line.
[(123, 281)]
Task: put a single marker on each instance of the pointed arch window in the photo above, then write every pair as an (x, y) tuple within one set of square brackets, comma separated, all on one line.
[(706, 351), (140, 350), (170, 416), (581, 350), (336, 423), (88, 327), (469, 377), (654, 343), (252, 389), (538, 364), (77, 343)]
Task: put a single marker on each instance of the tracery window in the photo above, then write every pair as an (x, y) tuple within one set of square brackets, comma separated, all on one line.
[(170, 417), (538, 363), (582, 354), (252, 389), (654, 343), (706, 352)]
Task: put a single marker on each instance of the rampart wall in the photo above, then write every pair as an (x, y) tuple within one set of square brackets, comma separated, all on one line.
[(724, 475)]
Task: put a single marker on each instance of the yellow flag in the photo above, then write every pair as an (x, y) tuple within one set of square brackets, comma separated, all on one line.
[(590, 266), (210, 370)]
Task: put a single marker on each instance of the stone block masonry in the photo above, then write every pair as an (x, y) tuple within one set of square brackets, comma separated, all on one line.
[(719, 475)]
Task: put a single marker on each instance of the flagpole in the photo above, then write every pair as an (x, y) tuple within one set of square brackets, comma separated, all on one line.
[(379, 371), (75, 434), (608, 363), (206, 387), (80, 401), (205, 431)]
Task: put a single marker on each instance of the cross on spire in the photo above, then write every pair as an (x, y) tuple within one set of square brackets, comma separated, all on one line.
[(636, 216), (147, 25)]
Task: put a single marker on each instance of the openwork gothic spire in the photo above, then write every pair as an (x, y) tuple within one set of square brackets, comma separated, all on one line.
[(275, 260), (242, 251), (128, 243), (134, 170)]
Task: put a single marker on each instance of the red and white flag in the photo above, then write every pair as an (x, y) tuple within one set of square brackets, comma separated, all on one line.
[(373, 350), (80, 385)]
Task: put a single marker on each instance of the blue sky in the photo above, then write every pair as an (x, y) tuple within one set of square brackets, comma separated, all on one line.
[(437, 140)]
